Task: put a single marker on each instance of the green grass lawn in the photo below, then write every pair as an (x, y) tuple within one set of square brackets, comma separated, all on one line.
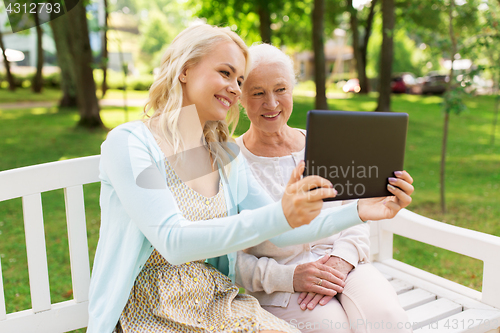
[(38, 135), (26, 95)]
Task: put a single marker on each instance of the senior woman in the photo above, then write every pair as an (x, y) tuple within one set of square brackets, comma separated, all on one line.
[(289, 282)]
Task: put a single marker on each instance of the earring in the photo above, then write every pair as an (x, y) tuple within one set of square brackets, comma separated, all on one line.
[(183, 79)]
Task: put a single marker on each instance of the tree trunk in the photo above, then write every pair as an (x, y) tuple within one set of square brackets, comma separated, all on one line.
[(443, 161), (497, 102), (81, 53), (364, 83), (355, 44), (265, 21), (104, 56), (37, 84), (319, 54), (495, 118), (386, 56), (447, 112), (360, 46), (60, 32), (10, 78)]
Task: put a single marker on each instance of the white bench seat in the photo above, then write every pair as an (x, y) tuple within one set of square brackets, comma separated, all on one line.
[(432, 308)]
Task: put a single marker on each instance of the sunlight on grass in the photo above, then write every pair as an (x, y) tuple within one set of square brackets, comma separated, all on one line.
[(40, 111), (431, 100), (114, 116), (118, 94), (27, 95)]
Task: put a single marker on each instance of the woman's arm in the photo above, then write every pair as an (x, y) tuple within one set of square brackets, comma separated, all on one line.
[(329, 222), (128, 169), (263, 274)]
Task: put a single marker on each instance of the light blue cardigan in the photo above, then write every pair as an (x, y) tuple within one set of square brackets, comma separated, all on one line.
[(139, 213)]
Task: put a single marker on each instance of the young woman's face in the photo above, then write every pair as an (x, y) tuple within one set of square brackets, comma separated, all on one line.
[(213, 85), (267, 97)]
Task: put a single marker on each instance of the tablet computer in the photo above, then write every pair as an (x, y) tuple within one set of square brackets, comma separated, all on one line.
[(357, 151)]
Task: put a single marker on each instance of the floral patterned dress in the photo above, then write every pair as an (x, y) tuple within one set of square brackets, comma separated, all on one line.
[(194, 296)]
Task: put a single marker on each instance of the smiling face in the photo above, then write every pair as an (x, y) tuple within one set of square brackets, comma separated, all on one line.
[(267, 97), (213, 84)]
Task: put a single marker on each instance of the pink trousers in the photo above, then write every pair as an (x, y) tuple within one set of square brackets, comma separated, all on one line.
[(368, 304)]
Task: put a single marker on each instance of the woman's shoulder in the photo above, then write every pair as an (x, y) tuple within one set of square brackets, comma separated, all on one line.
[(127, 132), (137, 127), (300, 130)]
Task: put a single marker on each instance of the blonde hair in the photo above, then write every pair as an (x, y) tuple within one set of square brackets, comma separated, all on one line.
[(166, 95)]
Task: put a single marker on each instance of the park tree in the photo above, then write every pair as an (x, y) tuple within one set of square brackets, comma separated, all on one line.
[(104, 49), (81, 53), (71, 36), (483, 48), (10, 77), (386, 56), (251, 18), (445, 26), (453, 102), (37, 83), (319, 54), (62, 42), (360, 40), (23, 21)]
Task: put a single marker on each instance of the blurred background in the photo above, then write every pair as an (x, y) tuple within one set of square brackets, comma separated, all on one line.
[(337, 46)]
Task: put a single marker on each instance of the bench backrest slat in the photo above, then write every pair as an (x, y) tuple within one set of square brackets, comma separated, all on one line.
[(36, 252), (77, 236), (49, 176)]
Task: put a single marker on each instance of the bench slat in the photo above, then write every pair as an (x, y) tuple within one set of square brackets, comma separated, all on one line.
[(400, 286), (36, 252), (415, 297), (3, 311), (77, 236), (63, 317), (472, 320), (49, 176), (426, 314)]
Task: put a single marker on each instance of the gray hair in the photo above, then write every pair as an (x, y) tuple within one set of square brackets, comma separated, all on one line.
[(268, 54)]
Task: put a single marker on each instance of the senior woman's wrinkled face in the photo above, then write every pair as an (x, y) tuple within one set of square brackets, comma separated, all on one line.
[(267, 96)]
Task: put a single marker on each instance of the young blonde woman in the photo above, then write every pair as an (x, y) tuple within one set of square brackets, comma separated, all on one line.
[(174, 193)]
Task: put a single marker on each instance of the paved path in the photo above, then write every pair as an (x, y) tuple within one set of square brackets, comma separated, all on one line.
[(27, 105), (131, 102), (48, 104)]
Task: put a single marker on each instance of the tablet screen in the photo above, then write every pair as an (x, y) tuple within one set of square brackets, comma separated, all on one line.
[(356, 151)]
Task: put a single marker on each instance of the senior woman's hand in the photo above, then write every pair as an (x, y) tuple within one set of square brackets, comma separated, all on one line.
[(311, 299), (303, 198), (317, 277), (388, 207)]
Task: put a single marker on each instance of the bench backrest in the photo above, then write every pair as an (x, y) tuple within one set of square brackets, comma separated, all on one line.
[(28, 183)]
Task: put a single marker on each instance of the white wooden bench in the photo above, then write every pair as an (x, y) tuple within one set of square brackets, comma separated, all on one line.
[(433, 304)]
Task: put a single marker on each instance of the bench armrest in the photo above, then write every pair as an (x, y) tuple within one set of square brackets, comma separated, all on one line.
[(471, 243)]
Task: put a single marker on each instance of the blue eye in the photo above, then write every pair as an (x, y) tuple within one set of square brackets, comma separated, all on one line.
[(258, 94)]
